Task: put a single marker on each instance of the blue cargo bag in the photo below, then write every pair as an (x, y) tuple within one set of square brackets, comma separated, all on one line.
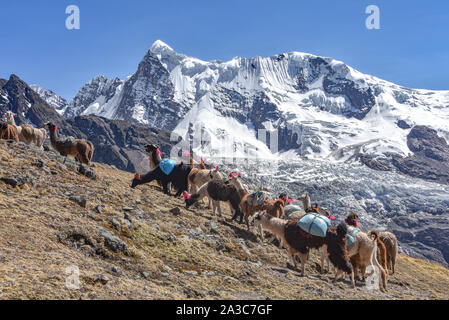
[(288, 210), (352, 233), (167, 166), (315, 224)]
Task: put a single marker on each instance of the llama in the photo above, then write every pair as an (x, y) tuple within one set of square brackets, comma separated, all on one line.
[(178, 178), (155, 155), (307, 205), (82, 150), (198, 177), (8, 132), (217, 190), (391, 243), (250, 205), (27, 133), (299, 242), (364, 250)]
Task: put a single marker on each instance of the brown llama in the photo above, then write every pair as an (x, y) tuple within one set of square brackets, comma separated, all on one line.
[(365, 251), (391, 244), (8, 132), (154, 155), (300, 242), (82, 150), (250, 205), (27, 133)]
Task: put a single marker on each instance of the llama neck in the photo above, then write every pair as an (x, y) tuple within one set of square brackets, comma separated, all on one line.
[(242, 191), (53, 137), (306, 202), (155, 159), (11, 121)]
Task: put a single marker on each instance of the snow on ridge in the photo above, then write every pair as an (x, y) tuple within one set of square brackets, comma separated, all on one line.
[(213, 93)]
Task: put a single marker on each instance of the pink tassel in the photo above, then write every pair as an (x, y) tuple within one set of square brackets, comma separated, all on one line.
[(332, 218), (186, 195), (290, 200)]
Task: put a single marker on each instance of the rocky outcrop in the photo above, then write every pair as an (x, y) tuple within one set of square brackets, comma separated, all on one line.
[(423, 235), (116, 142), (121, 143), (430, 159)]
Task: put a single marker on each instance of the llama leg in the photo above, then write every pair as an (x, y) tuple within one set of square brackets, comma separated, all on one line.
[(261, 232), (393, 264), (165, 187), (337, 275), (281, 245), (219, 209), (324, 256), (303, 258), (293, 257), (213, 207)]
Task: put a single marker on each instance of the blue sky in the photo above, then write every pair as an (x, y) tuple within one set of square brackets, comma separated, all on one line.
[(411, 49)]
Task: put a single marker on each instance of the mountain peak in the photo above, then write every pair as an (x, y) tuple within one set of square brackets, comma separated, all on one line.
[(159, 46)]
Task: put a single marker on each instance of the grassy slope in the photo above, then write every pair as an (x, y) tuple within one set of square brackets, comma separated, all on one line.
[(167, 259)]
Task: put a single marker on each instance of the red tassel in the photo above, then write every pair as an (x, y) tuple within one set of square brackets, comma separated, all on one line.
[(290, 200), (186, 195), (137, 176)]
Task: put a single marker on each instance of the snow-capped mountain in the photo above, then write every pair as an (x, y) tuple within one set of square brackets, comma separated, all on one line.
[(321, 108), (55, 101)]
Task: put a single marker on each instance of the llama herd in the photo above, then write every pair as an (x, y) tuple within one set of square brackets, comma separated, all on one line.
[(80, 149), (344, 245)]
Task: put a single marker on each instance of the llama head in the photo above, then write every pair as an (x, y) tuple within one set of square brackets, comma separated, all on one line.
[(352, 219), (258, 218), (151, 148), (9, 115), (136, 181), (52, 127)]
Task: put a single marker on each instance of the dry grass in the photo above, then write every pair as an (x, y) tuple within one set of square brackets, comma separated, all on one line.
[(167, 259)]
